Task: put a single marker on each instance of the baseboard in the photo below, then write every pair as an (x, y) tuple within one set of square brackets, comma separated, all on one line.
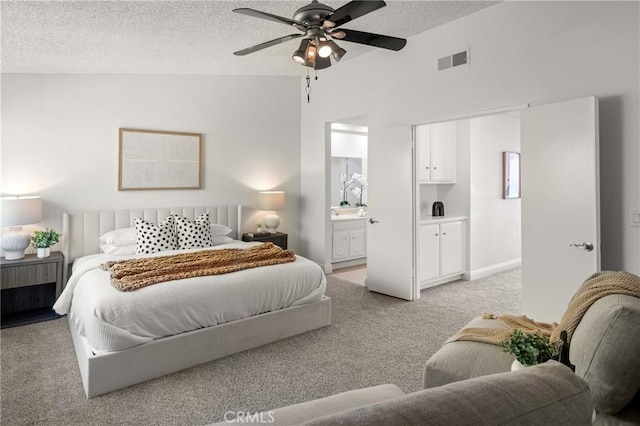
[(492, 270), (348, 263)]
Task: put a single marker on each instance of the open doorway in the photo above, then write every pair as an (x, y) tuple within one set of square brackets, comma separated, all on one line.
[(348, 192)]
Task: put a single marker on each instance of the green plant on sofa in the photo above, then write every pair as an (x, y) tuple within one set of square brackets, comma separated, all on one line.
[(44, 239), (530, 348)]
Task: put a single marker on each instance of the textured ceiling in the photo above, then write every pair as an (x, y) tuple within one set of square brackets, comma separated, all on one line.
[(183, 37)]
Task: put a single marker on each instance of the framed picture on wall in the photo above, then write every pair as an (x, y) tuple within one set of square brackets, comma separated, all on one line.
[(511, 173), (155, 159)]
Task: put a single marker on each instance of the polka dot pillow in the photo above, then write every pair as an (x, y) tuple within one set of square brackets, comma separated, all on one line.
[(152, 239), (193, 234)]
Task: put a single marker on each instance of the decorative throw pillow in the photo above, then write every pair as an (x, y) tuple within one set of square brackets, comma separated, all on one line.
[(152, 239), (193, 234), (119, 237), (218, 230)]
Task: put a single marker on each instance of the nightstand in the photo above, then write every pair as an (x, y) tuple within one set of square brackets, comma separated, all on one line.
[(30, 287), (279, 239)]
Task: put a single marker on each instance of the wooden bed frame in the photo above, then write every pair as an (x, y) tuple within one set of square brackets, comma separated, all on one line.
[(111, 371)]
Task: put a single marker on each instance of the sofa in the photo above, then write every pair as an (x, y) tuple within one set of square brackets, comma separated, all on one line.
[(545, 394), (604, 349)]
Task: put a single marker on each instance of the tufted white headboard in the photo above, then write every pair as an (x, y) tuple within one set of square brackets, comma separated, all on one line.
[(81, 230)]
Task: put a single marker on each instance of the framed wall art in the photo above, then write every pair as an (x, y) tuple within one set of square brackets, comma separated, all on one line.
[(154, 159), (511, 173)]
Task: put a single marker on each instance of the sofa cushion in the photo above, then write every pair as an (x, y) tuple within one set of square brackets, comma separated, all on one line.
[(463, 360), (604, 349), (548, 393)]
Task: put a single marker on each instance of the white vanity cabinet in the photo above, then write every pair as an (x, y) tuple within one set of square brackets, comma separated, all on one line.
[(436, 152), (349, 239), (441, 251)]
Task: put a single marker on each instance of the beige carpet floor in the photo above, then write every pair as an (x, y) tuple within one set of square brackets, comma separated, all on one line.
[(373, 339)]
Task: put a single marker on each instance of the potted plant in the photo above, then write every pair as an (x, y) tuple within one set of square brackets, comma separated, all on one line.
[(529, 348), (43, 240)]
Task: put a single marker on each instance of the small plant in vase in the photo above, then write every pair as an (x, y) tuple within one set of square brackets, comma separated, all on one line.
[(529, 348), (43, 240)]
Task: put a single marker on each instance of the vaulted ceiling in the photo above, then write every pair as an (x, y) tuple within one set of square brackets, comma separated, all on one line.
[(183, 37)]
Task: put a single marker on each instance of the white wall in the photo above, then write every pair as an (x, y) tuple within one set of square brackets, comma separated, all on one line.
[(495, 239), (521, 52), (60, 139)]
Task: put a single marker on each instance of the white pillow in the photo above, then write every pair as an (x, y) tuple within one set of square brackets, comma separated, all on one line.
[(193, 233), (113, 249), (218, 230), (120, 237), (222, 239), (152, 239)]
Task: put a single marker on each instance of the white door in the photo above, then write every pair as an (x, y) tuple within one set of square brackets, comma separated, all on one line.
[(443, 152), (423, 145), (340, 247), (357, 241), (450, 248), (390, 228), (560, 204), (429, 252)]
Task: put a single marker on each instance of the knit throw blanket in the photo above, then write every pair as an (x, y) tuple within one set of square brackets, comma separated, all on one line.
[(595, 287), (129, 275)]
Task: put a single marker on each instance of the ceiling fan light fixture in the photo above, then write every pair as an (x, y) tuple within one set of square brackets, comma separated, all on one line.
[(300, 55), (310, 55), (337, 52), (324, 49), (321, 63)]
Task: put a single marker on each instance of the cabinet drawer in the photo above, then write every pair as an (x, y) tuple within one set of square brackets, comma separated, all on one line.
[(21, 276)]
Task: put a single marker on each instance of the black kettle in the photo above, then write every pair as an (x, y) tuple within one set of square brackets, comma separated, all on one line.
[(437, 209)]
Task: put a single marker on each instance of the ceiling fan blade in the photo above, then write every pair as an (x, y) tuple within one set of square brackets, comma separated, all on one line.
[(270, 17), (377, 40), (351, 11), (267, 44)]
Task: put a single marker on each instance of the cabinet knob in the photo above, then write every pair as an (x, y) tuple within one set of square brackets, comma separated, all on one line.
[(427, 167), (435, 235), (444, 233), (434, 168)]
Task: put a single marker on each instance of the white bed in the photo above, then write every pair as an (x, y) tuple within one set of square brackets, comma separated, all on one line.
[(124, 342)]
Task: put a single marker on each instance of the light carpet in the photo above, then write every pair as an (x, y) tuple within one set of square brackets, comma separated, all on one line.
[(373, 339)]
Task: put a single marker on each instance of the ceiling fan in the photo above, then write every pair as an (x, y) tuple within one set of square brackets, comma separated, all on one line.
[(319, 25)]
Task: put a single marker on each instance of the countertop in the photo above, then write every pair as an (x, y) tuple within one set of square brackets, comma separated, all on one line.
[(441, 219)]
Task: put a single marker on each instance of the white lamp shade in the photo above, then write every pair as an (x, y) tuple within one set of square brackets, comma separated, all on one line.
[(18, 211), (271, 200)]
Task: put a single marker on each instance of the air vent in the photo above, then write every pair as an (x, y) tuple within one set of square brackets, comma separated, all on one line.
[(453, 60)]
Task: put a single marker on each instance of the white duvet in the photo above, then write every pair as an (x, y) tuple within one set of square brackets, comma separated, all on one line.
[(113, 320)]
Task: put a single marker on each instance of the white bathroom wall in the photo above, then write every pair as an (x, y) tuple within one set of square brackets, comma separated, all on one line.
[(521, 52), (60, 139)]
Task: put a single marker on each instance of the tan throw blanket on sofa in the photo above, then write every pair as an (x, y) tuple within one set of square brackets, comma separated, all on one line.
[(596, 286), (129, 275)]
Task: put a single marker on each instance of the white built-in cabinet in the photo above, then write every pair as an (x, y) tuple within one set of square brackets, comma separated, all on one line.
[(349, 239), (441, 251), (436, 145)]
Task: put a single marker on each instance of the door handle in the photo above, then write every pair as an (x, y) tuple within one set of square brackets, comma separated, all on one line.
[(372, 220), (586, 245)]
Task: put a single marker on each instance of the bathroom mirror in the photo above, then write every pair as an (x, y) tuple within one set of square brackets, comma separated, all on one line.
[(348, 165)]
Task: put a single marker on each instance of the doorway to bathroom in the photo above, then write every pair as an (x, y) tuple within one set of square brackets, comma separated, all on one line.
[(348, 198)]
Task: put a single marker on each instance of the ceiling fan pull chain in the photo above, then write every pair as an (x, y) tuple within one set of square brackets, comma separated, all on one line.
[(308, 88)]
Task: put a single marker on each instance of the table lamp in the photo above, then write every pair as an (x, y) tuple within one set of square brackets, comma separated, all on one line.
[(18, 211), (271, 201)]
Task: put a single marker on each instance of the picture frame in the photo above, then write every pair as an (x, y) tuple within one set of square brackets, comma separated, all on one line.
[(159, 160), (511, 185)]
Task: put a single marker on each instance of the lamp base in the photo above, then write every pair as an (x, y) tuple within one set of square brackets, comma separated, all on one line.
[(271, 222), (14, 243)]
